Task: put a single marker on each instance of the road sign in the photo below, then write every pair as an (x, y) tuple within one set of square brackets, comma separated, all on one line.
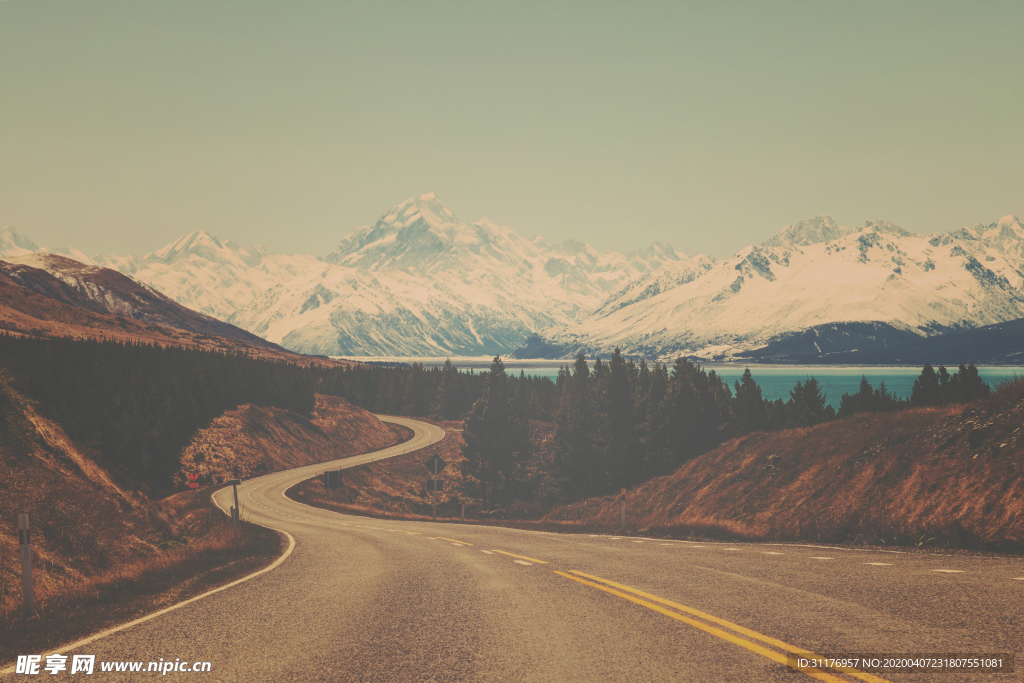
[(435, 464), (193, 480)]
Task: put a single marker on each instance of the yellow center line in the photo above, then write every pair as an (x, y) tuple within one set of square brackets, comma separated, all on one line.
[(452, 540), (753, 647), (869, 678), (521, 557)]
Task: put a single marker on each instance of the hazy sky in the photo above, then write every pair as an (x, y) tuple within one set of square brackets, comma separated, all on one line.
[(707, 125)]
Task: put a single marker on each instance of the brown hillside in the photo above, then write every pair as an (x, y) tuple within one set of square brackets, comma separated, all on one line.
[(941, 476), (82, 523), (250, 440), (100, 555), (51, 308)]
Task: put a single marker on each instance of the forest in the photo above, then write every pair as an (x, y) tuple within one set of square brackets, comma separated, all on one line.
[(135, 406)]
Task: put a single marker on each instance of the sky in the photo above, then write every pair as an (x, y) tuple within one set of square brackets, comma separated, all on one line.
[(124, 125)]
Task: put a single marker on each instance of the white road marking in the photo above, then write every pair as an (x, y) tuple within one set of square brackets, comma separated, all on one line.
[(821, 558), (458, 545), (735, 549), (668, 544), (879, 564), (637, 541), (693, 546), (524, 563), (488, 552), (771, 553), (1018, 578), (949, 571)]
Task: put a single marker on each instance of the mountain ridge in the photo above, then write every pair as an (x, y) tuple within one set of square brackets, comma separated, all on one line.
[(421, 281)]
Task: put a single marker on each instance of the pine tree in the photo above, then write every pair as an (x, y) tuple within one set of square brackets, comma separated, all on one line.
[(497, 442), (578, 432), (749, 407), (926, 388)]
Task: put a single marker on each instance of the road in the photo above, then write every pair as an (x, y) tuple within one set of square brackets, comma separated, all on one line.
[(362, 599)]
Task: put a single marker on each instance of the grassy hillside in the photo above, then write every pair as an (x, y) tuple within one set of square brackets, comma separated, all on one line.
[(250, 440), (949, 476)]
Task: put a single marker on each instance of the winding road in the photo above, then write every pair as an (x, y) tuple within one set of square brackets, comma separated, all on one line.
[(362, 599)]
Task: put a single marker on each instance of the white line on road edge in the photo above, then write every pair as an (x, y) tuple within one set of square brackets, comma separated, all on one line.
[(524, 563), (487, 551), (949, 571), (110, 631), (879, 564)]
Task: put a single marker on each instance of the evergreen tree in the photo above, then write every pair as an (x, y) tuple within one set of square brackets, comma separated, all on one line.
[(926, 391), (497, 442), (451, 399), (749, 407), (807, 404), (578, 433), (966, 385)]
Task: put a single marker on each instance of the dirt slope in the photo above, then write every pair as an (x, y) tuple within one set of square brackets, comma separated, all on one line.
[(940, 476), (82, 523), (250, 440)]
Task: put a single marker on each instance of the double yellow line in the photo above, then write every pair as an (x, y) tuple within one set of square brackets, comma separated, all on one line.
[(659, 605)]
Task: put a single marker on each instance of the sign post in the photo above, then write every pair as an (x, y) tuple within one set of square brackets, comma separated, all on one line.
[(234, 515), (26, 565), (434, 466), (622, 523)]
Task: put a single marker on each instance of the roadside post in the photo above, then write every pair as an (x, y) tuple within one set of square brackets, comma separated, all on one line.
[(434, 466), (463, 512), (234, 514), (622, 522), (26, 565)]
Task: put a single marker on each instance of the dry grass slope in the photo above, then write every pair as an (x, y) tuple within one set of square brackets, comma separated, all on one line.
[(250, 441), (948, 476)]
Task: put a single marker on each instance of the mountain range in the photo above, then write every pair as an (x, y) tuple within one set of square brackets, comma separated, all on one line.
[(814, 283), (422, 282)]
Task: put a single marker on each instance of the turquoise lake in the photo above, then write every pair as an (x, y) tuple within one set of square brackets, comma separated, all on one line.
[(775, 381)]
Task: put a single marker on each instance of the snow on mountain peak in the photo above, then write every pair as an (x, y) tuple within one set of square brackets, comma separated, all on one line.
[(426, 207), (197, 243), (806, 232), (13, 242)]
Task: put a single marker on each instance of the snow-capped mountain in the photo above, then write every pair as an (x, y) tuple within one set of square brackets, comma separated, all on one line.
[(811, 275), (103, 290), (13, 242), (207, 275), (420, 281)]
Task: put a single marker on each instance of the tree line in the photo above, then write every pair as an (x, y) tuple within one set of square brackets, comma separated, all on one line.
[(616, 423), (135, 406), (620, 423)]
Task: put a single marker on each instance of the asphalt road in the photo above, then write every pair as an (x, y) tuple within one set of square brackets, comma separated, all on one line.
[(372, 600)]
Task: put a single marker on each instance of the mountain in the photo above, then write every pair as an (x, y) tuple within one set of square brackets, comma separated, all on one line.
[(13, 242), (207, 275), (422, 282), (46, 295), (865, 286), (419, 281)]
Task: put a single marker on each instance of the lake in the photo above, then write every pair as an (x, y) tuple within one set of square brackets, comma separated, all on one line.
[(775, 381)]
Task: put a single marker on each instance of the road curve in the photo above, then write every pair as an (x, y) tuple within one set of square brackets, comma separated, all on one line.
[(380, 600)]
